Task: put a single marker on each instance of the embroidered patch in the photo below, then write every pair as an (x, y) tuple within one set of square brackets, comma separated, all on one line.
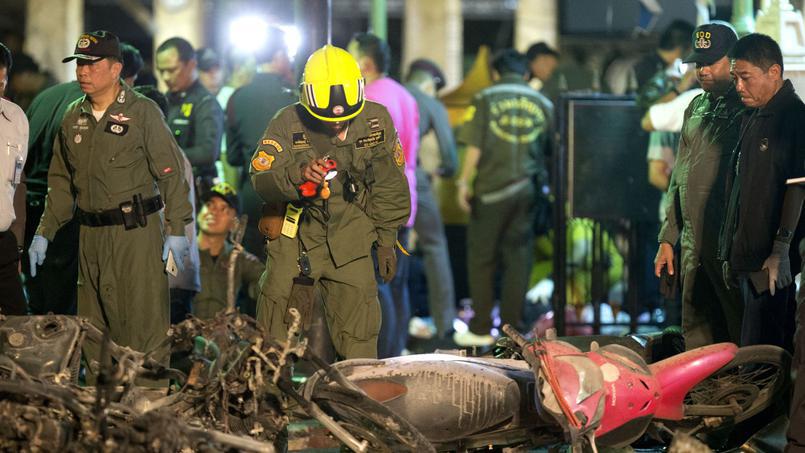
[(167, 170), (120, 118), (77, 138), (115, 128), (373, 139), (299, 141), (373, 123), (187, 109), (399, 157), (273, 143), (263, 161), (702, 40)]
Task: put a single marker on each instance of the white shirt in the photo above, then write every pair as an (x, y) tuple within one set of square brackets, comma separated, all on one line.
[(668, 116), (13, 149)]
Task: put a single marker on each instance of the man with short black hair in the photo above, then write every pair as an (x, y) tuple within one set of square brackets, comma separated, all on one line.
[(132, 63), (508, 133), (195, 118), (762, 212), (542, 62)]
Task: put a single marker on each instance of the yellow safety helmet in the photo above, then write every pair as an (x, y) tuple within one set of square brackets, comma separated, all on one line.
[(332, 86)]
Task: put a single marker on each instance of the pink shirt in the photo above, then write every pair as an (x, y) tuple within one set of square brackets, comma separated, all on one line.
[(405, 116)]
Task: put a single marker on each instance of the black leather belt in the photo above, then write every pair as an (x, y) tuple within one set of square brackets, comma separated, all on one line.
[(116, 216)]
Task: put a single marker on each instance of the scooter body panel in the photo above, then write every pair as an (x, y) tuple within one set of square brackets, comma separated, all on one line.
[(677, 375), (449, 397)]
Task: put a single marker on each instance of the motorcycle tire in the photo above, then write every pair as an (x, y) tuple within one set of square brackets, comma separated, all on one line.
[(369, 420), (754, 379)]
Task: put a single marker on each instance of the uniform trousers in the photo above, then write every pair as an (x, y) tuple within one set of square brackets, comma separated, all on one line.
[(500, 239), (395, 304), (711, 312), (12, 301), (122, 286), (796, 417), (432, 243), (765, 316), (53, 290), (349, 292)]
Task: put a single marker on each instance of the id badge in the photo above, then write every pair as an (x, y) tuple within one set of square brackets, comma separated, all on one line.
[(290, 226)]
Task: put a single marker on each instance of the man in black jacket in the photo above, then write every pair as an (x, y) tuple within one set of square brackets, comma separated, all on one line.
[(194, 116), (248, 112)]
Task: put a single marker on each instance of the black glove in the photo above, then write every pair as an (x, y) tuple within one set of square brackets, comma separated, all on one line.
[(386, 263), (778, 266)]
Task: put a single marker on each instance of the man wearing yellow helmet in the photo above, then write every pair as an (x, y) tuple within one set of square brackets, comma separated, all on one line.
[(347, 150)]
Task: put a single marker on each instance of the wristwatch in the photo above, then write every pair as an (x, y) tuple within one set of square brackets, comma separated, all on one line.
[(784, 235)]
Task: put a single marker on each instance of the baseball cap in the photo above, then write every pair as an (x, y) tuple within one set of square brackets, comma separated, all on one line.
[(94, 46), (430, 67), (711, 42), (224, 191)]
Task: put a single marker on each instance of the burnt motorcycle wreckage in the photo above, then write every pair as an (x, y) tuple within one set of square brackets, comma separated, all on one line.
[(239, 394), (546, 392)]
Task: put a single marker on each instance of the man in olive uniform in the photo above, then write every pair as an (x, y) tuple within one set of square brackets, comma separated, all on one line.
[(215, 221), (508, 135), (194, 115), (711, 311), (114, 167), (361, 205)]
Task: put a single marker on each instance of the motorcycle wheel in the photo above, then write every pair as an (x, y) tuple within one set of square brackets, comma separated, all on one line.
[(369, 420), (753, 380)]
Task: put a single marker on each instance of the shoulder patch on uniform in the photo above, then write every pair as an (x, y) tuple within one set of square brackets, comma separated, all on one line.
[(187, 109), (373, 139), (469, 114), (262, 161), (299, 141), (373, 123), (399, 156), (115, 128), (273, 143)]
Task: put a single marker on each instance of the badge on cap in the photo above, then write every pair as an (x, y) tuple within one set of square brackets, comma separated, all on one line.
[(703, 40), (337, 110), (83, 43)]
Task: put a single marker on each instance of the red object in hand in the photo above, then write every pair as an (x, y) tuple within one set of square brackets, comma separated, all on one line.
[(310, 189)]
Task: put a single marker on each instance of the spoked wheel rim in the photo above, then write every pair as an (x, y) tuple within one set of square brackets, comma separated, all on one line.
[(744, 385)]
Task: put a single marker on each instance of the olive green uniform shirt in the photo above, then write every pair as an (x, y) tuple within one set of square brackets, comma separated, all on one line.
[(510, 123), (215, 280), (696, 194), (370, 157), (97, 165)]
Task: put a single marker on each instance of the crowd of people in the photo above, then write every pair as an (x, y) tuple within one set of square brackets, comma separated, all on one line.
[(124, 198)]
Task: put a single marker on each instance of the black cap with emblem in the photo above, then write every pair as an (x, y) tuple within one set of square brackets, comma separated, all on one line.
[(711, 42), (223, 191), (95, 46)]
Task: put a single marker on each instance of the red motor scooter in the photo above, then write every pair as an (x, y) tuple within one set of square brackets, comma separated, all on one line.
[(547, 391)]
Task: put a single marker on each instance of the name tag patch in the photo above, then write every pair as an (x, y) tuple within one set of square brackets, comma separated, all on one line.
[(299, 141), (115, 128), (373, 139)]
